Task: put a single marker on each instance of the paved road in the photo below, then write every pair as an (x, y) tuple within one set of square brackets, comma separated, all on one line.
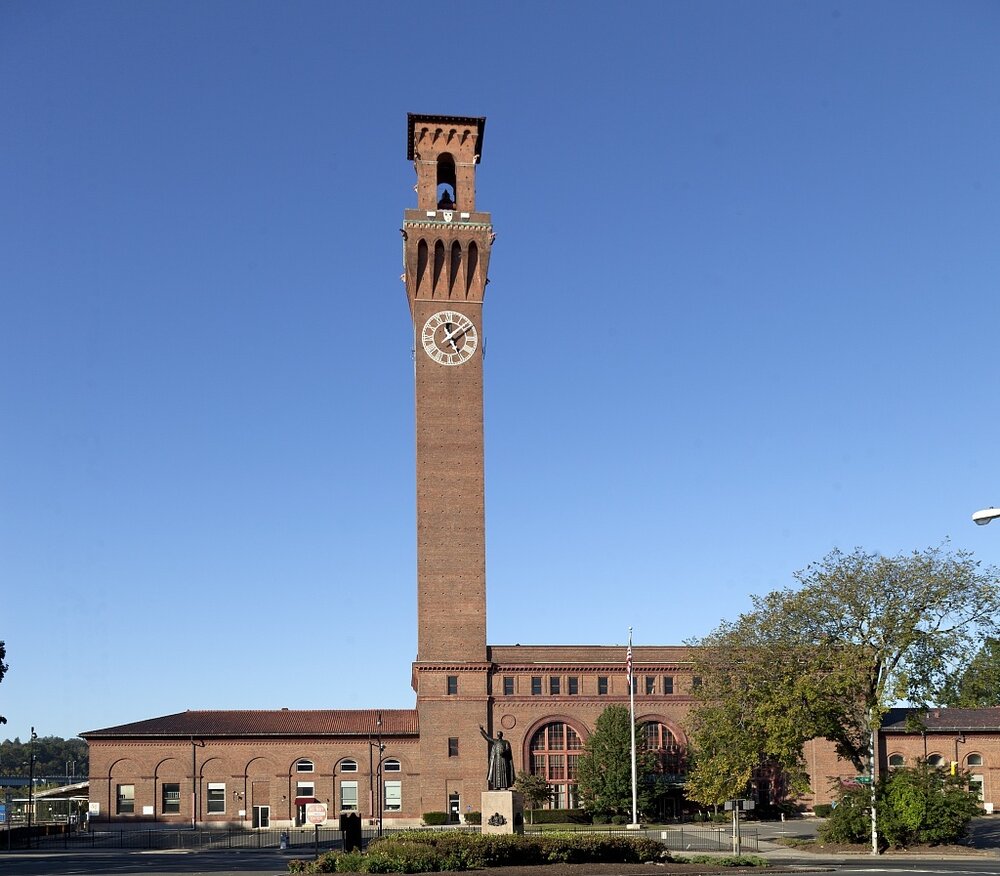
[(132, 863)]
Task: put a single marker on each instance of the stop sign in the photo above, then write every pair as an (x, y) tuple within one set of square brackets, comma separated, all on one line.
[(315, 813)]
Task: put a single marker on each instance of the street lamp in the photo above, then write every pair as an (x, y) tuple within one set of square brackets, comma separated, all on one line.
[(981, 518), (375, 774), (31, 782)]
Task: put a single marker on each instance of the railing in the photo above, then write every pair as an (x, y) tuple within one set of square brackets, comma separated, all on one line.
[(676, 839), (307, 839)]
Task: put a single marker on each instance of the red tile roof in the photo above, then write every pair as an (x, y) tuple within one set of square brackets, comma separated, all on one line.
[(275, 722)]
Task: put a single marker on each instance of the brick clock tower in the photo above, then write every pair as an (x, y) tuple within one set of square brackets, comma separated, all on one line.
[(447, 244)]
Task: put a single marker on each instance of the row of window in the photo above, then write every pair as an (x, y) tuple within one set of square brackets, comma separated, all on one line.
[(649, 685), (347, 765), (936, 760), (215, 797)]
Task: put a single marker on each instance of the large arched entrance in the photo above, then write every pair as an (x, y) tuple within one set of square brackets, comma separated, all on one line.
[(555, 750), (667, 793)]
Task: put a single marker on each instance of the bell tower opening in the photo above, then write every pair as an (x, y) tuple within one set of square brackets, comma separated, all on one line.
[(446, 182), (445, 151)]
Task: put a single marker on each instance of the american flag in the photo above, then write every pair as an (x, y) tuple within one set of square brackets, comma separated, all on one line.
[(628, 661)]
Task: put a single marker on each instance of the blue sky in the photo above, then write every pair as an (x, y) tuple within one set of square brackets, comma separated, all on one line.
[(744, 310)]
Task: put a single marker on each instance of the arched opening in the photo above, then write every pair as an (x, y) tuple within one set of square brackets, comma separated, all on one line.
[(422, 258), (471, 266), (896, 761), (438, 265), (454, 268), (446, 189), (555, 752), (670, 768)]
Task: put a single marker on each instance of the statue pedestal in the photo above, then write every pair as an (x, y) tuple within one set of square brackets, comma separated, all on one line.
[(503, 812)]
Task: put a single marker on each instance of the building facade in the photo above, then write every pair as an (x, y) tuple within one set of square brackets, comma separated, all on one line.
[(263, 768)]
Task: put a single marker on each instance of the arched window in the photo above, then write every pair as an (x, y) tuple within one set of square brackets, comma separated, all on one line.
[(391, 766), (555, 753), (974, 760), (446, 182), (304, 765), (935, 760), (896, 760), (670, 756), (348, 765)]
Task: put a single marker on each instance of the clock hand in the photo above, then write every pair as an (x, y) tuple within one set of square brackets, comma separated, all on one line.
[(458, 332)]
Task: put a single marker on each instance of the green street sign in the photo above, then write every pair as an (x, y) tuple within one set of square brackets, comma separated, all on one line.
[(863, 780)]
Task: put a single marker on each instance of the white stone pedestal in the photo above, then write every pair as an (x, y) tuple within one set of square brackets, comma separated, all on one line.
[(503, 812)]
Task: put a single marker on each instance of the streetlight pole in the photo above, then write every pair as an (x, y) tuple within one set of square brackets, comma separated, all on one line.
[(31, 781), (375, 773)]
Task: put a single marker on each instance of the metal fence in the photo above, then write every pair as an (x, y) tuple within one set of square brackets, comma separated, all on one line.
[(677, 839)]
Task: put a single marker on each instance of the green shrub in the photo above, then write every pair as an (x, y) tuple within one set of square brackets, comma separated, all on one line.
[(822, 810), (425, 851), (724, 860), (435, 819), (473, 817), (922, 804), (393, 856), (350, 862), (619, 819)]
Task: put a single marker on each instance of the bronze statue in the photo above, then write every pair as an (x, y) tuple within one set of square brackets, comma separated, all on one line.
[(500, 775)]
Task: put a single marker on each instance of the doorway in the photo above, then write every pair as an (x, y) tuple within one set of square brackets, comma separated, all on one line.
[(262, 816)]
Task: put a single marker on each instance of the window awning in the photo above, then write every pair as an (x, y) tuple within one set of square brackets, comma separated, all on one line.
[(301, 801)]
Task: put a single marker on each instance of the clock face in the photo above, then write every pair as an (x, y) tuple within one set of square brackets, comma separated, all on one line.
[(449, 338)]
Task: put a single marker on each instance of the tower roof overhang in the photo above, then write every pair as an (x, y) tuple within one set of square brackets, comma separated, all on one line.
[(413, 119)]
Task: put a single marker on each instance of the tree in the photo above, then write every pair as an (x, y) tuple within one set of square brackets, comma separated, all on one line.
[(862, 633), (3, 669), (54, 757), (604, 771), (922, 804), (535, 790), (978, 684)]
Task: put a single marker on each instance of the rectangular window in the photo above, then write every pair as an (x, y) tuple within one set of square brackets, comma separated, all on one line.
[(557, 767), (126, 799), (696, 682), (572, 685), (508, 685), (216, 798), (668, 688), (171, 798), (452, 746), (536, 685), (348, 796), (554, 685), (602, 685), (393, 796), (650, 685), (305, 789), (572, 760), (538, 764), (452, 685)]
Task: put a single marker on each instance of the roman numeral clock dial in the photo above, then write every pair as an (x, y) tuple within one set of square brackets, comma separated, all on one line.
[(449, 337)]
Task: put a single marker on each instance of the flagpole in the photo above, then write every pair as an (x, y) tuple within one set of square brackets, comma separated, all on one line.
[(631, 703)]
